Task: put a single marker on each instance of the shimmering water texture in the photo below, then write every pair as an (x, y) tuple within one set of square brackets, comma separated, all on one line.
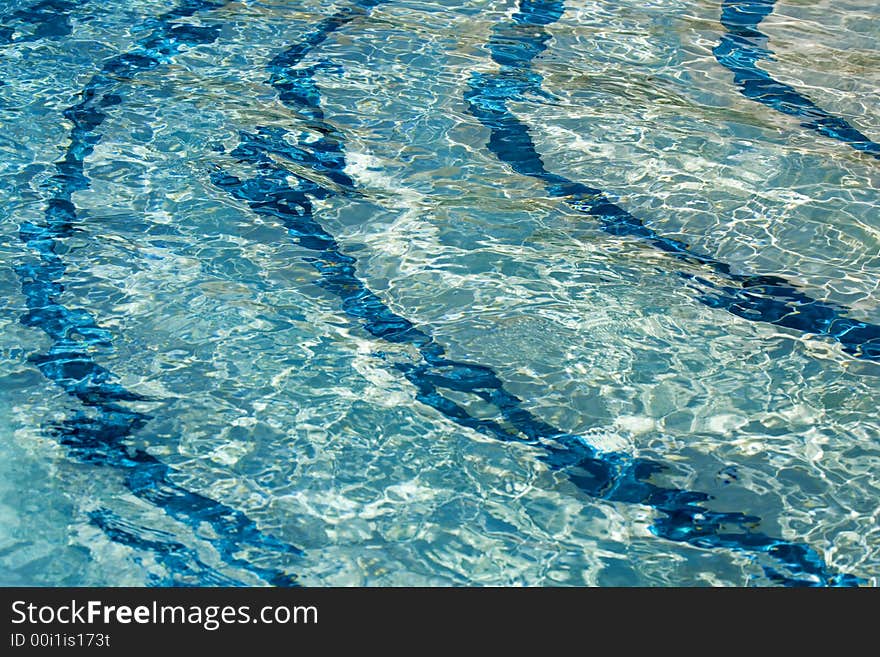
[(98, 437), (47, 19), (327, 423), (762, 298), (744, 46)]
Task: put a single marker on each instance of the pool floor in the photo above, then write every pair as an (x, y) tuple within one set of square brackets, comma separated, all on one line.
[(410, 293)]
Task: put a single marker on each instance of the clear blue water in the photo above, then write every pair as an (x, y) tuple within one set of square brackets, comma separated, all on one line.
[(434, 293)]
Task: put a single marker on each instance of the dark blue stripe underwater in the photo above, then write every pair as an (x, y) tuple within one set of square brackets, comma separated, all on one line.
[(98, 434), (740, 50), (768, 299), (182, 564), (276, 192)]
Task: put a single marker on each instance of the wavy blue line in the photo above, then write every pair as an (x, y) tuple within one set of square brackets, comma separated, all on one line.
[(277, 192), (182, 563), (98, 435), (740, 50), (770, 299)]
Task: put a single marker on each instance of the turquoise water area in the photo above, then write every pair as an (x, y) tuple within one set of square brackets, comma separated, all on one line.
[(432, 293)]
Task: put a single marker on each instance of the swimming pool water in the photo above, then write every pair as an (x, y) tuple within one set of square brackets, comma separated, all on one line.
[(433, 293)]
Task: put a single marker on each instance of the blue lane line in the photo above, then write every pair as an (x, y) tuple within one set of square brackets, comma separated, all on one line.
[(277, 192), (98, 435), (770, 299), (740, 50), (182, 564), (49, 19)]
